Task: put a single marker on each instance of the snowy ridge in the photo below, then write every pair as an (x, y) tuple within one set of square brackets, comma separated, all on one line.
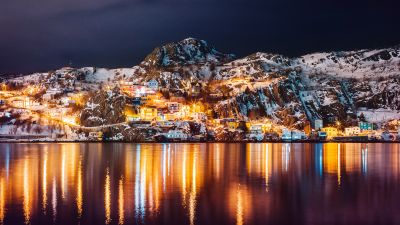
[(335, 86)]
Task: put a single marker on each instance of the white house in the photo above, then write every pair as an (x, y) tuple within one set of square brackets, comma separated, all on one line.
[(176, 135), (298, 135), (318, 124), (152, 84), (286, 134), (256, 132), (350, 131)]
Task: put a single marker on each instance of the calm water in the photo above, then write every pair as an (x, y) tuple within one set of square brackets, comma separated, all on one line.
[(199, 184)]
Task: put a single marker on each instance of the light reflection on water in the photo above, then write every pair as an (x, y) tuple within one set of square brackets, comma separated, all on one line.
[(78, 183)]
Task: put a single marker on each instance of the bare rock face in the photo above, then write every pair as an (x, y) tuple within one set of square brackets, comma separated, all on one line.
[(185, 52), (276, 101), (227, 135), (104, 108)]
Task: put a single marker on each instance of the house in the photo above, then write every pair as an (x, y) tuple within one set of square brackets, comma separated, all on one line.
[(148, 113), (195, 89), (138, 91), (137, 101), (177, 99), (18, 103), (51, 93), (230, 123), (322, 135), (365, 126), (307, 128), (317, 124), (330, 132), (169, 116), (199, 116), (286, 135), (298, 135), (152, 84), (256, 128), (351, 131), (132, 117), (176, 135), (256, 132), (95, 136), (173, 106)]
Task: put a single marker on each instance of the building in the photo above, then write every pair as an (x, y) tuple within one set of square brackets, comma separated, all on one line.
[(365, 126), (152, 84), (199, 116), (230, 123), (51, 93), (148, 113), (330, 132), (256, 132), (95, 136), (307, 128), (351, 131), (298, 135), (322, 135), (289, 135), (195, 90), (256, 128), (317, 124), (176, 135), (177, 99), (18, 103), (173, 107), (286, 135)]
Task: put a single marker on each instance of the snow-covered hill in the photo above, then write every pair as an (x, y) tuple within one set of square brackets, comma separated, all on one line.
[(333, 86), (185, 52)]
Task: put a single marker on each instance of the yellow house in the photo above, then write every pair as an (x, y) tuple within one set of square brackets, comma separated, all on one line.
[(148, 113), (265, 127), (330, 132), (233, 124)]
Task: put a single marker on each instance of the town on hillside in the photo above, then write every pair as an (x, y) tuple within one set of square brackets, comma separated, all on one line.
[(66, 106)]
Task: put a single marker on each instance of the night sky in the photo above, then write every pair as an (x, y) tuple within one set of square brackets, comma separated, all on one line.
[(40, 35)]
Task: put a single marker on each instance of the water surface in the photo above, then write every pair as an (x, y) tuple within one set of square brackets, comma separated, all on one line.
[(302, 183)]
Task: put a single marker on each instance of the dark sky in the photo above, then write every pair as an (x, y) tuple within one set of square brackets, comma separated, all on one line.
[(40, 35)]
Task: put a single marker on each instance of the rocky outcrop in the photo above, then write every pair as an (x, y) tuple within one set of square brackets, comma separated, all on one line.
[(104, 108), (185, 52)]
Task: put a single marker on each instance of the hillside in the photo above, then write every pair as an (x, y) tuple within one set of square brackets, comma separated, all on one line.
[(288, 92)]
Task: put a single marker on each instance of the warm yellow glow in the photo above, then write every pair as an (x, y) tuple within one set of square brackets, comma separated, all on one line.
[(331, 158), (27, 197), (54, 199), (121, 201), (338, 165), (239, 208), (239, 203), (184, 177), (2, 200), (79, 198), (44, 183), (107, 197), (192, 196), (70, 120), (266, 165), (63, 176)]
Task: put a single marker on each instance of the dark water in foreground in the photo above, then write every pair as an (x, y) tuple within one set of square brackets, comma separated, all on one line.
[(199, 183)]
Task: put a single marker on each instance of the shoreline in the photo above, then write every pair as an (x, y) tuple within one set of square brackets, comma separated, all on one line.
[(185, 142)]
